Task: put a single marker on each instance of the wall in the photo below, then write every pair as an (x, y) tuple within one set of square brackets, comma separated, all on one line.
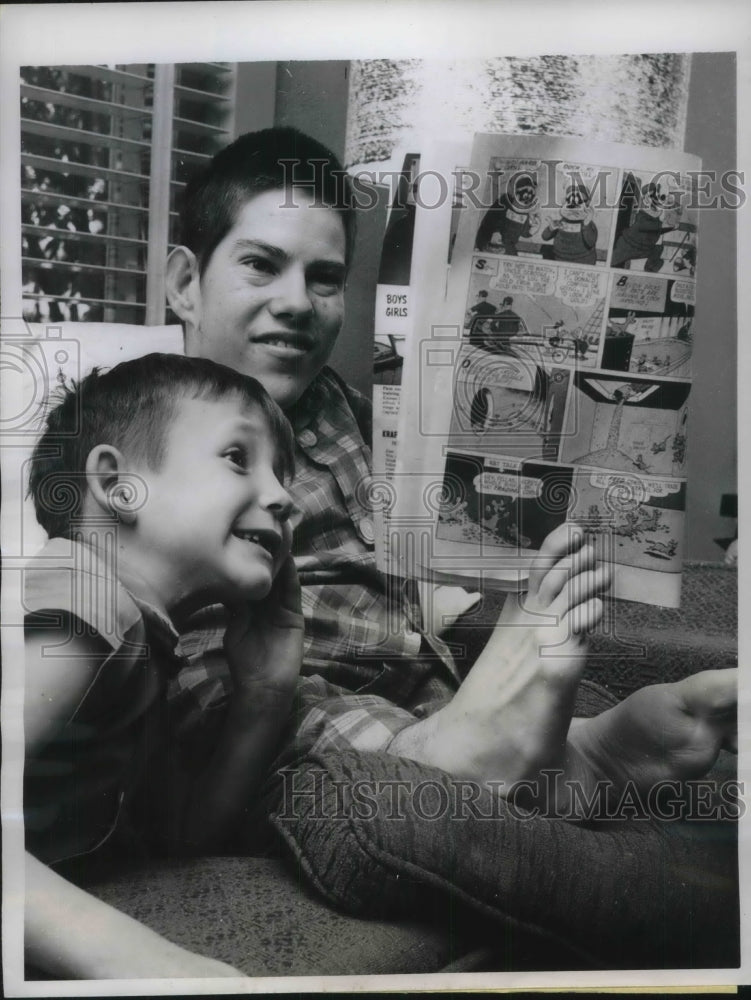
[(313, 97), (255, 102)]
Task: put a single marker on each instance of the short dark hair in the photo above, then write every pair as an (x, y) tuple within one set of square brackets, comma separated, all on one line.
[(269, 160), (131, 407)]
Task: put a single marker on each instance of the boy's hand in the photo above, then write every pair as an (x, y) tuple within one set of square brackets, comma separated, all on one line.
[(264, 641)]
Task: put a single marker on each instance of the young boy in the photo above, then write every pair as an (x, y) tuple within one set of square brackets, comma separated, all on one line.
[(170, 474)]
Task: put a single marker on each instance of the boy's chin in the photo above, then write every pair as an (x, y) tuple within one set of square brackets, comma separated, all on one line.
[(246, 592)]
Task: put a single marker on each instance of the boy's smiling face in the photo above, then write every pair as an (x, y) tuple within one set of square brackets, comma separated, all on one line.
[(270, 302), (214, 522)]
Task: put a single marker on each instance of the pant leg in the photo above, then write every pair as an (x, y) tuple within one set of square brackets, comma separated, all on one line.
[(625, 894)]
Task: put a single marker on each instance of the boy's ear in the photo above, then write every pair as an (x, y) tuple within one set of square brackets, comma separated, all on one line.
[(108, 486), (183, 286)]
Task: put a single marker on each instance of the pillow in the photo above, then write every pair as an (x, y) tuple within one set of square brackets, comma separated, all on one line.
[(627, 893)]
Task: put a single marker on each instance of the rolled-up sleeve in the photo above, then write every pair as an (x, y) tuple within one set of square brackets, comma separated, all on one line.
[(328, 718)]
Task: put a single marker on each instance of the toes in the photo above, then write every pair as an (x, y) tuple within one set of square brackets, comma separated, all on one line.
[(561, 576), (574, 623), (579, 620), (565, 539), (710, 693), (580, 588), (585, 616)]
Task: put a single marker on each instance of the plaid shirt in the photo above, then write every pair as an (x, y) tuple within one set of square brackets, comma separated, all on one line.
[(364, 651)]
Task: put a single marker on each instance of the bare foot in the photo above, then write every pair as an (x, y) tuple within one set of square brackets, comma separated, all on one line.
[(664, 732), (511, 716)]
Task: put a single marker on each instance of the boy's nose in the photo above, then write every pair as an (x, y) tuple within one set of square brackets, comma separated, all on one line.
[(291, 294), (274, 498)]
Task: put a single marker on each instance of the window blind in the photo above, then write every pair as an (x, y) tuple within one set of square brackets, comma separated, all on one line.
[(106, 151)]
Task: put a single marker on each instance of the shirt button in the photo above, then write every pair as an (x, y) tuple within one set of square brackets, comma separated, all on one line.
[(307, 438), (367, 530)]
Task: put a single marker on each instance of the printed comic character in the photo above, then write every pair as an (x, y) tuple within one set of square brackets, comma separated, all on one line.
[(493, 332), (557, 337), (684, 258), (685, 331), (510, 219), (574, 234), (658, 213), (562, 340), (483, 306), (581, 344)]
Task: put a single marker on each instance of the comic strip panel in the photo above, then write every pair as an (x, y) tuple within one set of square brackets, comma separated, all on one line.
[(519, 303), (636, 426), (649, 326), (548, 209), (508, 404), (499, 502), (642, 517), (656, 227)]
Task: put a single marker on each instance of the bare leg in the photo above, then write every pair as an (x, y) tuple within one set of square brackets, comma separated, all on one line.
[(511, 716)]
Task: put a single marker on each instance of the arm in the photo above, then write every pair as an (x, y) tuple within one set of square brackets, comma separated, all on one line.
[(69, 933), (551, 229), (263, 644), (55, 684), (72, 935), (491, 222), (589, 234)]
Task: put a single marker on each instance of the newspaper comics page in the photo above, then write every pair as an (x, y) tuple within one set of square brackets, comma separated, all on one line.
[(394, 315), (550, 380)]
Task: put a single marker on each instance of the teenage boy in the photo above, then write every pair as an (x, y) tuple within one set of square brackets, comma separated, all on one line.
[(170, 470), (258, 284)]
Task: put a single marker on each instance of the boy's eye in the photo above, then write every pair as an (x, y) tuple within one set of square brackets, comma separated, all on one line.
[(237, 456), (259, 266), (326, 280)]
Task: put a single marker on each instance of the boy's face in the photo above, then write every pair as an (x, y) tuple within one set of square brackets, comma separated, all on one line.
[(215, 517), (271, 299)]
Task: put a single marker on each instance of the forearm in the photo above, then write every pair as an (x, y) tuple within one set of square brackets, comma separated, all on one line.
[(72, 935), (263, 644), (246, 747)]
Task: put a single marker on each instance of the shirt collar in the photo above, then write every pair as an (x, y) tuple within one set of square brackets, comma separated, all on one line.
[(313, 402), (157, 619)]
